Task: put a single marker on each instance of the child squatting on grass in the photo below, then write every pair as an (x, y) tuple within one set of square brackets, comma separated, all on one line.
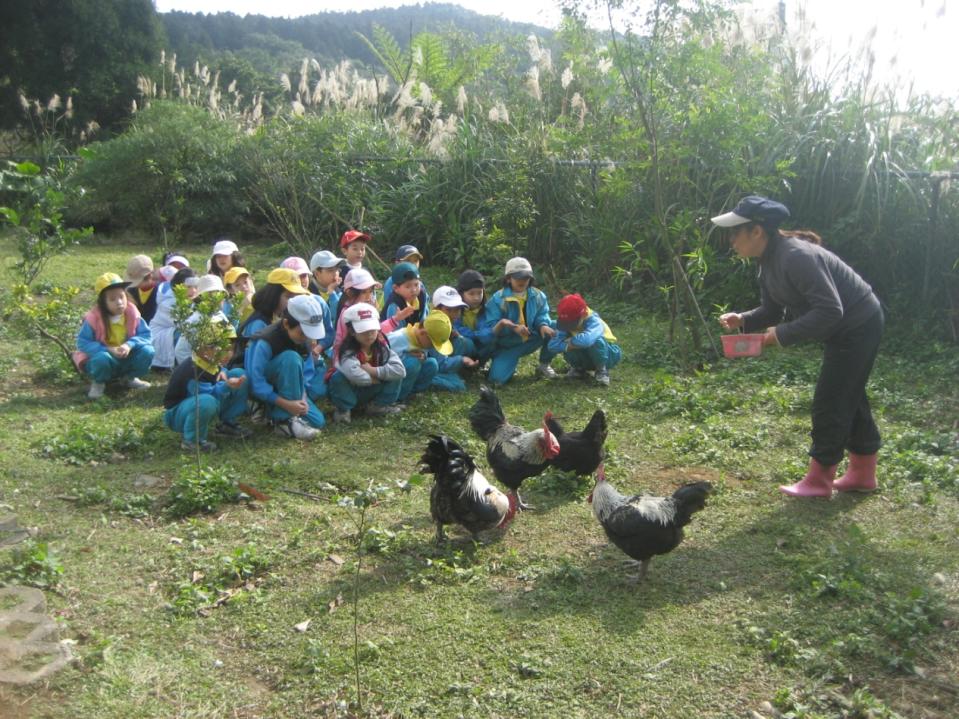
[(366, 371), (279, 363), (407, 293), (114, 341), (447, 301), (473, 337), (587, 343), (201, 389), (518, 316)]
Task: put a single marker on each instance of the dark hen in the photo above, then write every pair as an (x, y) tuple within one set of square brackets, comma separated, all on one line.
[(513, 453), (644, 526), (579, 452), (460, 493)]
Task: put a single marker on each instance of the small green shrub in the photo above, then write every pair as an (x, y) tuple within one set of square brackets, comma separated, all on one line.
[(32, 564), (201, 491), (81, 445)]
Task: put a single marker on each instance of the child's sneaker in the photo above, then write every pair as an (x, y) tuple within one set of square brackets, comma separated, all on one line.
[(342, 416), (205, 446), (137, 383), (232, 429), (602, 376), (380, 410), (258, 412), (575, 373), (96, 390), (545, 371), (295, 428)]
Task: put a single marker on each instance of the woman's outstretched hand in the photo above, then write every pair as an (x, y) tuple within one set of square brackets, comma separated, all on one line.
[(731, 321)]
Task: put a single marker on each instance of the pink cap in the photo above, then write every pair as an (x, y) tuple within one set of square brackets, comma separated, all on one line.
[(359, 279), (297, 264)]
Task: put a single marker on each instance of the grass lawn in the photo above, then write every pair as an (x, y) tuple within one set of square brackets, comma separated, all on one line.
[(839, 608)]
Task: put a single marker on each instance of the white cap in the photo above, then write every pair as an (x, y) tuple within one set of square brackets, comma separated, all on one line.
[(225, 247), (297, 264), (307, 311), (359, 279), (362, 317), (519, 266), (167, 272), (325, 259), (447, 296), (178, 258), (209, 283)]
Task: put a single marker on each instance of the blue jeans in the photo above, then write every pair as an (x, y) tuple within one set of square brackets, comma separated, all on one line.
[(508, 350), (346, 396), (471, 348), (599, 354), (103, 366), (229, 408), (285, 373)]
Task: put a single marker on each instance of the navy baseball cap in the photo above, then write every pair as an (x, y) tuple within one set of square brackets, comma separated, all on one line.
[(754, 208), (404, 252)]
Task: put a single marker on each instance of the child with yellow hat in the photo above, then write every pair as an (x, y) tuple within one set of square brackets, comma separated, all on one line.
[(114, 340), (413, 344)]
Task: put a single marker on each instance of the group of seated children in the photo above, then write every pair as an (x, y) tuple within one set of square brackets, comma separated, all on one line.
[(316, 331)]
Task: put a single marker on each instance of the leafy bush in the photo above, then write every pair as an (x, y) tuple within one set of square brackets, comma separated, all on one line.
[(173, 171)]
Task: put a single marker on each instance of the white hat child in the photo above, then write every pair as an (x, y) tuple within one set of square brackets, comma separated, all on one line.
[(362, 317), (225, 247), (447, 296), (325, 259), (307, 311), (209, 283)]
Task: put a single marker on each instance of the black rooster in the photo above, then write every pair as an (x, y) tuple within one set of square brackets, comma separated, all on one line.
[(460, 493), (512, 452), (579, 452), (644, 526)]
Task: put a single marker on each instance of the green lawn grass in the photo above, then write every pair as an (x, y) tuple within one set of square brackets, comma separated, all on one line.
[(824, 608)]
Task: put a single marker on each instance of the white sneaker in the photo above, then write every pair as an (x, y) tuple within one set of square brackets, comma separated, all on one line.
[(96, 390), (602, 376), (137, 383), (342, 417), (257, 411), (545, 371), (295, 428)]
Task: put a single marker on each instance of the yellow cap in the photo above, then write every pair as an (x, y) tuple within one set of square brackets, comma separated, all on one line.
[(289, 279), (233, 274), (108, 279), (439, 328)]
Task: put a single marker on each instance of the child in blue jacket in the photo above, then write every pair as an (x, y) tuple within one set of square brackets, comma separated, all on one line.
[(279, 363), (447, 302), (114, 341), (587, 343), (199, 390), (406, 291), (518, 316), (474, 338)]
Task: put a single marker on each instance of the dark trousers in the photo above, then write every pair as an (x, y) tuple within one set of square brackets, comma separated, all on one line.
[(841, 416)]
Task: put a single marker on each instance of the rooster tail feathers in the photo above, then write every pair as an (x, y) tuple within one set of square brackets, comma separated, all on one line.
[(597, 426), (554, 426), (486, 416), (691, 497), (446, 459)]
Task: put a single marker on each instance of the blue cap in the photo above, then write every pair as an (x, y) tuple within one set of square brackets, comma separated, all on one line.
[(405, 271), (754, 208)]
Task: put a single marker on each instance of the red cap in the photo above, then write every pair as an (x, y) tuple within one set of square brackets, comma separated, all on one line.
[(571, 309), (352, 236)]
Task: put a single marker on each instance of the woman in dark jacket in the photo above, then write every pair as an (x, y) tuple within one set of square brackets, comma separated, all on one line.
[(829, 303)]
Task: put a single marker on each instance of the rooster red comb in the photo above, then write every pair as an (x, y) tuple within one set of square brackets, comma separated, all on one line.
[(571, 308)]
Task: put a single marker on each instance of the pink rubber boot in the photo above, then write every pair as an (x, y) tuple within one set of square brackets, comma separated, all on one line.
[(816, 483), (860, 476)]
